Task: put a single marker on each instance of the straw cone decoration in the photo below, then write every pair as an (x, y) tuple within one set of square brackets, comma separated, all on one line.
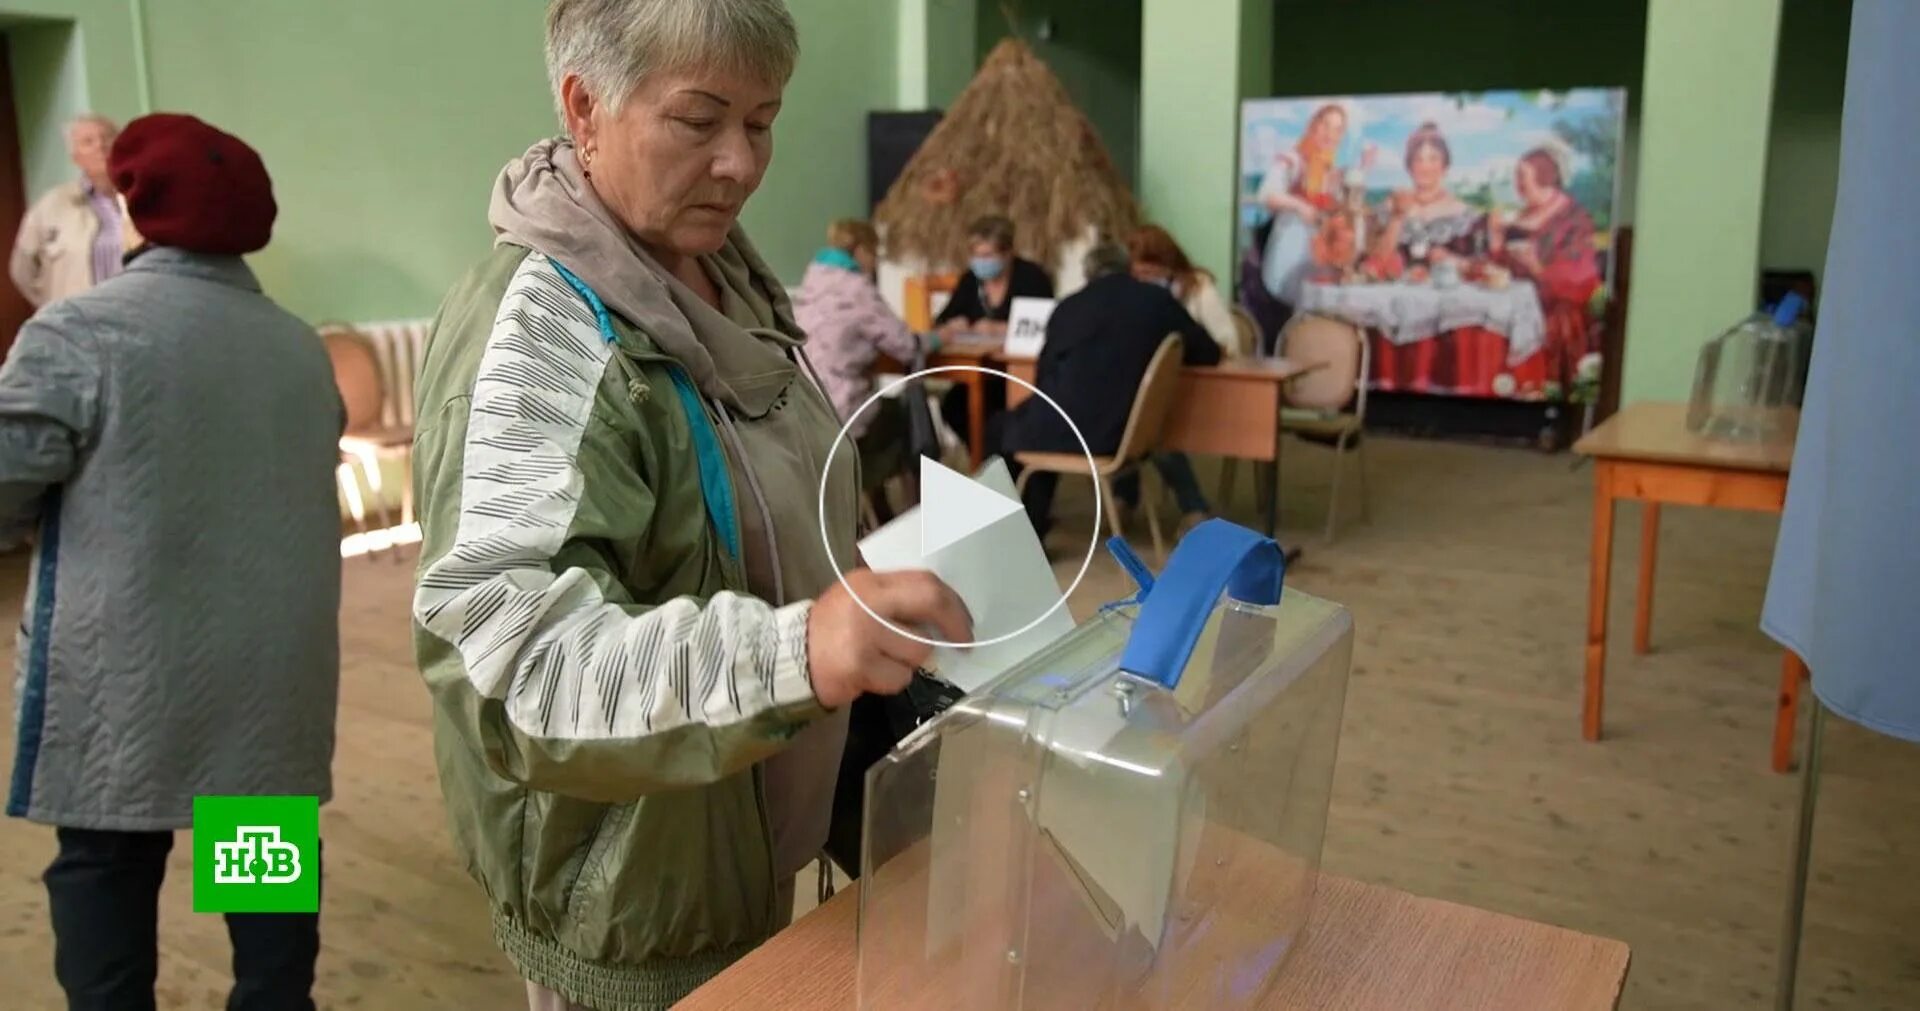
[(1013, 144)]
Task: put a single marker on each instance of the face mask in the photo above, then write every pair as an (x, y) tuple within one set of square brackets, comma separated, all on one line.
[(986, 268)]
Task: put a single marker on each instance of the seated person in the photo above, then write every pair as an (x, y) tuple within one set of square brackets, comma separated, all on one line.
[(994, 278), (1099, 343), (1157, 259), (981, 303), (848, 325)]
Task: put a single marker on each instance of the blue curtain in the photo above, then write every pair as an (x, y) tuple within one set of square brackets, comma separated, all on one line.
[(1845, 590)]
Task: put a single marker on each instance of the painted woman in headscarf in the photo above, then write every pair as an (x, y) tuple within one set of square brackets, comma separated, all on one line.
[(1301, 185)]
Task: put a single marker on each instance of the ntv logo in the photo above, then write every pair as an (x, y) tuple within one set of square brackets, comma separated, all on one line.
[(256, 857)]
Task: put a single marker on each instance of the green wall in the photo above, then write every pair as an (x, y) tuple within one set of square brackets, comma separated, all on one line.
[(1197, 63), (1095, 51), (1803, 146), (385, 123), (847, 68), (936, 55), (69, 56), (49, 88), (1706, 105)]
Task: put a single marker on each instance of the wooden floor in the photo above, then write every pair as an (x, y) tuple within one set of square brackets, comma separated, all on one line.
[(1462, 773)]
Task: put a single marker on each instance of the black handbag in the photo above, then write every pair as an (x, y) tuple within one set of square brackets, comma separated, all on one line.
[(922, 438), (875, 725)]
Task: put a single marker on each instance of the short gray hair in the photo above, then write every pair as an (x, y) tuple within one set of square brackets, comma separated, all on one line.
[(90, 119), (1103, 259), (614, 44)]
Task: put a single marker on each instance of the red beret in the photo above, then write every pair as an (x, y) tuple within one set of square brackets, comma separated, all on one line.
[(191, 186)]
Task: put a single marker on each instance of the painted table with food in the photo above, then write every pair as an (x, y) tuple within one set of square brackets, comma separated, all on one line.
[(1470, 335)]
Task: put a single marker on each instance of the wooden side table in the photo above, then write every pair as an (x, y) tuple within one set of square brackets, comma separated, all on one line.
[(1366, 948), (1646, 454)]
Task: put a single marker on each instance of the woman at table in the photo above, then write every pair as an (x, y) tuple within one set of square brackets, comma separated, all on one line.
[(638, 645), (980, 305), (1157, 259), (848, 325), (1429, 225), (994, 277), (1550, 242)]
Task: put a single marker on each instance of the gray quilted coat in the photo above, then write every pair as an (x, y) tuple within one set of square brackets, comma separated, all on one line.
[(172, 434)]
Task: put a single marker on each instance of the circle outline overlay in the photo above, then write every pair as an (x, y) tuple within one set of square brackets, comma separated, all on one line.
[(826, 474)]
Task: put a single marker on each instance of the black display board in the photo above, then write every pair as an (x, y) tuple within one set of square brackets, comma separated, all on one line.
[(892, 139)]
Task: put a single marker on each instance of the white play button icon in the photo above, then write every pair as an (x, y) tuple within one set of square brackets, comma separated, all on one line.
[(954, 507), (1001, 571)]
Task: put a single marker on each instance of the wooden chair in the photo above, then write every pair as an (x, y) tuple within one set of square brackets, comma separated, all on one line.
[(1316, 405), (919, 298), (1152, 404), (1247, 333), (369, 439), (1328, 406)]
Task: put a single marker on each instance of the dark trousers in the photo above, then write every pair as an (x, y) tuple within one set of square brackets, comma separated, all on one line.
[(1174, 468), (104, 891), (1177, 471), (1038, 495), (954, 410)]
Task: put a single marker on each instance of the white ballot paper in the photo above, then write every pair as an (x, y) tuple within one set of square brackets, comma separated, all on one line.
[(973, 534)]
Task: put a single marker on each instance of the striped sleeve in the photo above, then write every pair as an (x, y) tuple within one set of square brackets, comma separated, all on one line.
[(574, 662)]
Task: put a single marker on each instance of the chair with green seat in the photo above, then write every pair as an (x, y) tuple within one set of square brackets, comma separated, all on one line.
[(1327, 406)]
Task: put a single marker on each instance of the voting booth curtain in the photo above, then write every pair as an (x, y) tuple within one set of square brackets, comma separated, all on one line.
[(1845, 588)]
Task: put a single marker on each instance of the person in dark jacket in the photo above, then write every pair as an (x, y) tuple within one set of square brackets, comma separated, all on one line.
[(1099, 342), (174, 433), (981, 303), (994, 278)]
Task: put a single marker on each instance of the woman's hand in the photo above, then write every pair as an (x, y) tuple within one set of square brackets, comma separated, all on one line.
[(850, 654), (1525, 257), (991, 328), (953, 328)]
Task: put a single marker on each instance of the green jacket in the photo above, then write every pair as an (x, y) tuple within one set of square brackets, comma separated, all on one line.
[(603, 688)]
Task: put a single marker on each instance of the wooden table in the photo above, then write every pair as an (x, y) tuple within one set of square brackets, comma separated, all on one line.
[(980, 354), (1365, 948), (1231, 409), (1646, 454)]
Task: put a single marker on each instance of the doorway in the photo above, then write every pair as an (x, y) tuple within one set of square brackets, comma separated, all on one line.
[(14, 308)]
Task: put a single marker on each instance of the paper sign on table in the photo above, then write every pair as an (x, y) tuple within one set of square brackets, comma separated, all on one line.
[(1027, 326)]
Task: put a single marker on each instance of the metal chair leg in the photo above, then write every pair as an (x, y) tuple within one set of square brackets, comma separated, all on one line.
[(1360, 461), (1229, 473), (1802, 857), (1108, 500), (347, 476), (1333, 493), (406, 489), (1150, 499)]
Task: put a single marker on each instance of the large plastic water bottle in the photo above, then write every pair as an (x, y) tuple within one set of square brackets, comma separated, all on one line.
[(1750, 374)]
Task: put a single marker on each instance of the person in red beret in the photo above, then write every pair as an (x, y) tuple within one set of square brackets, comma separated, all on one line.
[(172, 435)]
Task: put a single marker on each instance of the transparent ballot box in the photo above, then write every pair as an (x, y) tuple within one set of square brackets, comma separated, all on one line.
[(1130, 818)]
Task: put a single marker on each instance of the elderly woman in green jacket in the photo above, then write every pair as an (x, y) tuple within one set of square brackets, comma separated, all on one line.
[(639, 650)]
